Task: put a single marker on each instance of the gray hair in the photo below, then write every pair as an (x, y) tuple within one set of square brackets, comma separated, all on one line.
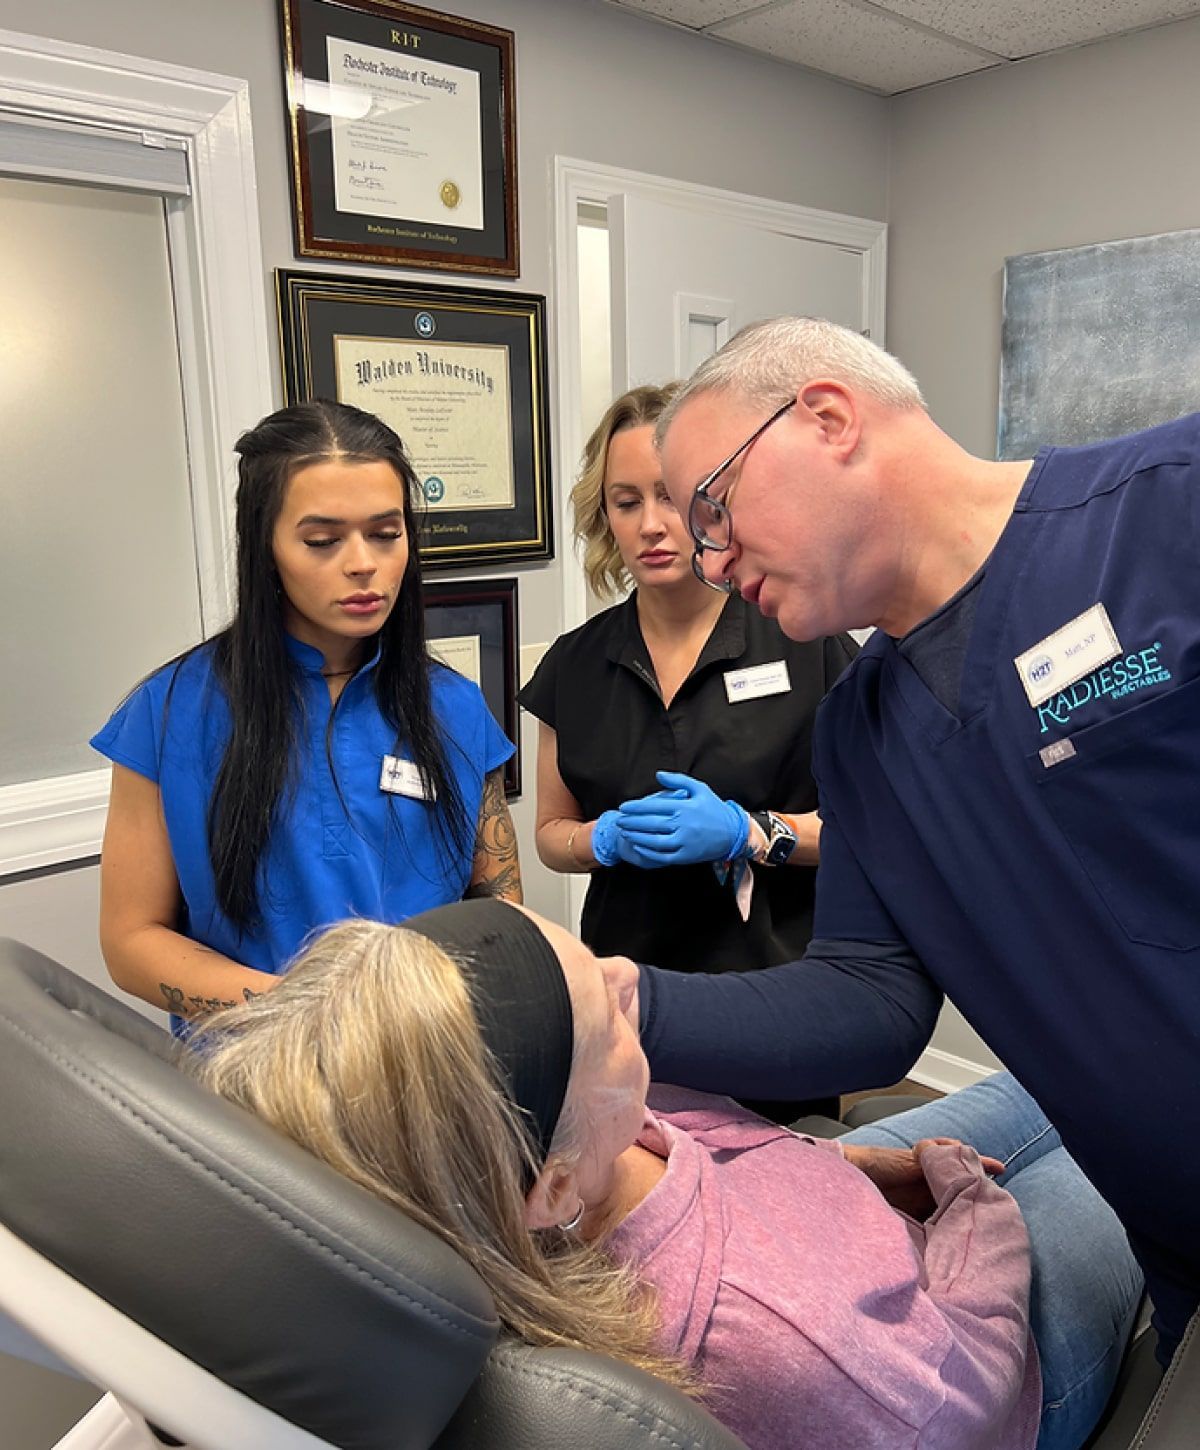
[(767, 362)]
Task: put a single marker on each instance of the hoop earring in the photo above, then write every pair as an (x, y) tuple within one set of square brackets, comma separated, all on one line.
[(572, 1224)]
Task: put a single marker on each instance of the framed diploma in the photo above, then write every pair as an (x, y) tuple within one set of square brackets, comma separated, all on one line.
[(471, 625), (403, 136), (461, 376)]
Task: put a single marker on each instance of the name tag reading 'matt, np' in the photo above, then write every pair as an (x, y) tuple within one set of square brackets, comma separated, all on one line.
[(755, 681), (1082, 645)]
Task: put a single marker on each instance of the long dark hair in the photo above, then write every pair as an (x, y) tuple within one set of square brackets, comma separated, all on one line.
[(261, 680)]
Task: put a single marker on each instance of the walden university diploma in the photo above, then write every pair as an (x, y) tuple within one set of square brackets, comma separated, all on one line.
[(407, 136), (450, 404)]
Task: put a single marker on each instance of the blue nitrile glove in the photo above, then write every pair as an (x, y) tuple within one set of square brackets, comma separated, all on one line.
[(635, 856), (683, 823), (606, 842)]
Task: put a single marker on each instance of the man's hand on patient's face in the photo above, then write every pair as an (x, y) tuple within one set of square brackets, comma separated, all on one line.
[(898, 1175)]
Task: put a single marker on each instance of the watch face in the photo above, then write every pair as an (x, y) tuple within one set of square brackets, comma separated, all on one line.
[(781, 842)]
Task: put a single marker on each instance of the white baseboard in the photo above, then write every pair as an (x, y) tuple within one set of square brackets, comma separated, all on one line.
[(946, 1072)]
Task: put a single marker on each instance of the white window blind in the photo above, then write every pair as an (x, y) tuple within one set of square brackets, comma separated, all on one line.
[(102, 156)]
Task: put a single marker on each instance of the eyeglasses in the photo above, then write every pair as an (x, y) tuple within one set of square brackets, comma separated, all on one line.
[(709, 521)]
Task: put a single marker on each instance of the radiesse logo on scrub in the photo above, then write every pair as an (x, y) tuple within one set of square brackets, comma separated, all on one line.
[(1120, 677)]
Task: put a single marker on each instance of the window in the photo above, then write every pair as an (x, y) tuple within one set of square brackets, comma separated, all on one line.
[(134, 349)]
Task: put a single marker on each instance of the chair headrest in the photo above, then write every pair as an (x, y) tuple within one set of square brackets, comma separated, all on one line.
[(216, 1233)]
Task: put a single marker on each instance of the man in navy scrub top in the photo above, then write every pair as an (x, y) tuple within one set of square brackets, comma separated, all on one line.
[(1009, 773)]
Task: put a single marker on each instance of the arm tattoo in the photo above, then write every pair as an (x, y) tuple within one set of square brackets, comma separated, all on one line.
[(183, 1005), (495, 871), (173, 996)]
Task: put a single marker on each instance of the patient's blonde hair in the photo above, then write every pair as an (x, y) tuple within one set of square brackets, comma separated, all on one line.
[(602, 562), (368, 1054)]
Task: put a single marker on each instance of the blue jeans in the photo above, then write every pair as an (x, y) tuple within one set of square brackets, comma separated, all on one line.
[(1086, 1282)]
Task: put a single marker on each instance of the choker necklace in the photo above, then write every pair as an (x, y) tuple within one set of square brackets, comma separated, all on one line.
[(335, 674)]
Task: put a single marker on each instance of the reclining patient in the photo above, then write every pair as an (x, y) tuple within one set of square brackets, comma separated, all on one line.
[(476, 1068)]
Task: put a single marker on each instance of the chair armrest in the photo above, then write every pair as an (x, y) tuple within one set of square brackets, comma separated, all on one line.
[(1174, 1414)]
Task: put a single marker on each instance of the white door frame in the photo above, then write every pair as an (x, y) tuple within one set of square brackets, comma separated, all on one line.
[(578, 182), (221, 315)]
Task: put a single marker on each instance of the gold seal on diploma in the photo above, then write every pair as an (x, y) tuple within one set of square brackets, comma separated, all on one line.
[(450, 194)]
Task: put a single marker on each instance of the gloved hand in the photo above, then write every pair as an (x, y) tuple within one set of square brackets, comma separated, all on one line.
[(609, 845), (606, 839), (681, 824)]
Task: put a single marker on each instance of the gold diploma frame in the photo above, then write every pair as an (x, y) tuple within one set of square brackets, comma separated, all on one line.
[(471, 625), (403, 136), (461, 376)]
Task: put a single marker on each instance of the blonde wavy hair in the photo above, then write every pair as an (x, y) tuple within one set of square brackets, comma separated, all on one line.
[(602, 563), (368, 1053)]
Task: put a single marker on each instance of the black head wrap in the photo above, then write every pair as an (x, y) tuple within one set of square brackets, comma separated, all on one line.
[(520, 998)]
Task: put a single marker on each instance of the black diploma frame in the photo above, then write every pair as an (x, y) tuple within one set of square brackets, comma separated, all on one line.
[(461, 376), (403, 136), (479, 617)]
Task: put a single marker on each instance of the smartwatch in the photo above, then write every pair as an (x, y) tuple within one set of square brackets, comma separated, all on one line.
[(781, 839)]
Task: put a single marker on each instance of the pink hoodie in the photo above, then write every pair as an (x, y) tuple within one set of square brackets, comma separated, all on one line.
[(818, 1317)]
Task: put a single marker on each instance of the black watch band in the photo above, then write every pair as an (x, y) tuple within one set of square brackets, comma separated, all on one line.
[(780, 838)]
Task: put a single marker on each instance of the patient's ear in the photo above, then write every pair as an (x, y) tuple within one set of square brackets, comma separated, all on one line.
[(554, 1197)]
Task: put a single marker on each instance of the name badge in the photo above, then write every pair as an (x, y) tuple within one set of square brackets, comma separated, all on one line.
[(756, 681), (1079, 647), (401, 777)]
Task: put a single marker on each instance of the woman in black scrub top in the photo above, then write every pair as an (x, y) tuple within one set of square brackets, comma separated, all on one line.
[(682, 680)]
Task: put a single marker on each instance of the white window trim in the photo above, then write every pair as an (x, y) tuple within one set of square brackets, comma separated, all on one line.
[(221, 310)]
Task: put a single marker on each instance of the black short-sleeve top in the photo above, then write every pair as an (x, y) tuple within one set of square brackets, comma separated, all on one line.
[(738, 722)]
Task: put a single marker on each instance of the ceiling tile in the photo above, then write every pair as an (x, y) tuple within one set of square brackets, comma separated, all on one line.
[(696, 13), (845, 39), (1017, 28)]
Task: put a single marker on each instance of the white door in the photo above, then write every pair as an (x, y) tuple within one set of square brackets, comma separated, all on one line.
[(684, 281), (667, 270)]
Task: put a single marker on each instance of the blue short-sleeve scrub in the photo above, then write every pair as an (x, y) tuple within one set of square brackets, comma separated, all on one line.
[(337, 849)]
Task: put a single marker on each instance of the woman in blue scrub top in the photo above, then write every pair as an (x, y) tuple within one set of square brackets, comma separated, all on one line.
[(311, 762)]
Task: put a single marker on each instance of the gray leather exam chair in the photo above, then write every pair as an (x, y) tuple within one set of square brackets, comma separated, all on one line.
[(230, 1291)]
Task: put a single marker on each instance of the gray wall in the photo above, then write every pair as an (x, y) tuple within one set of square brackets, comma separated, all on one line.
[(1092, 145)]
